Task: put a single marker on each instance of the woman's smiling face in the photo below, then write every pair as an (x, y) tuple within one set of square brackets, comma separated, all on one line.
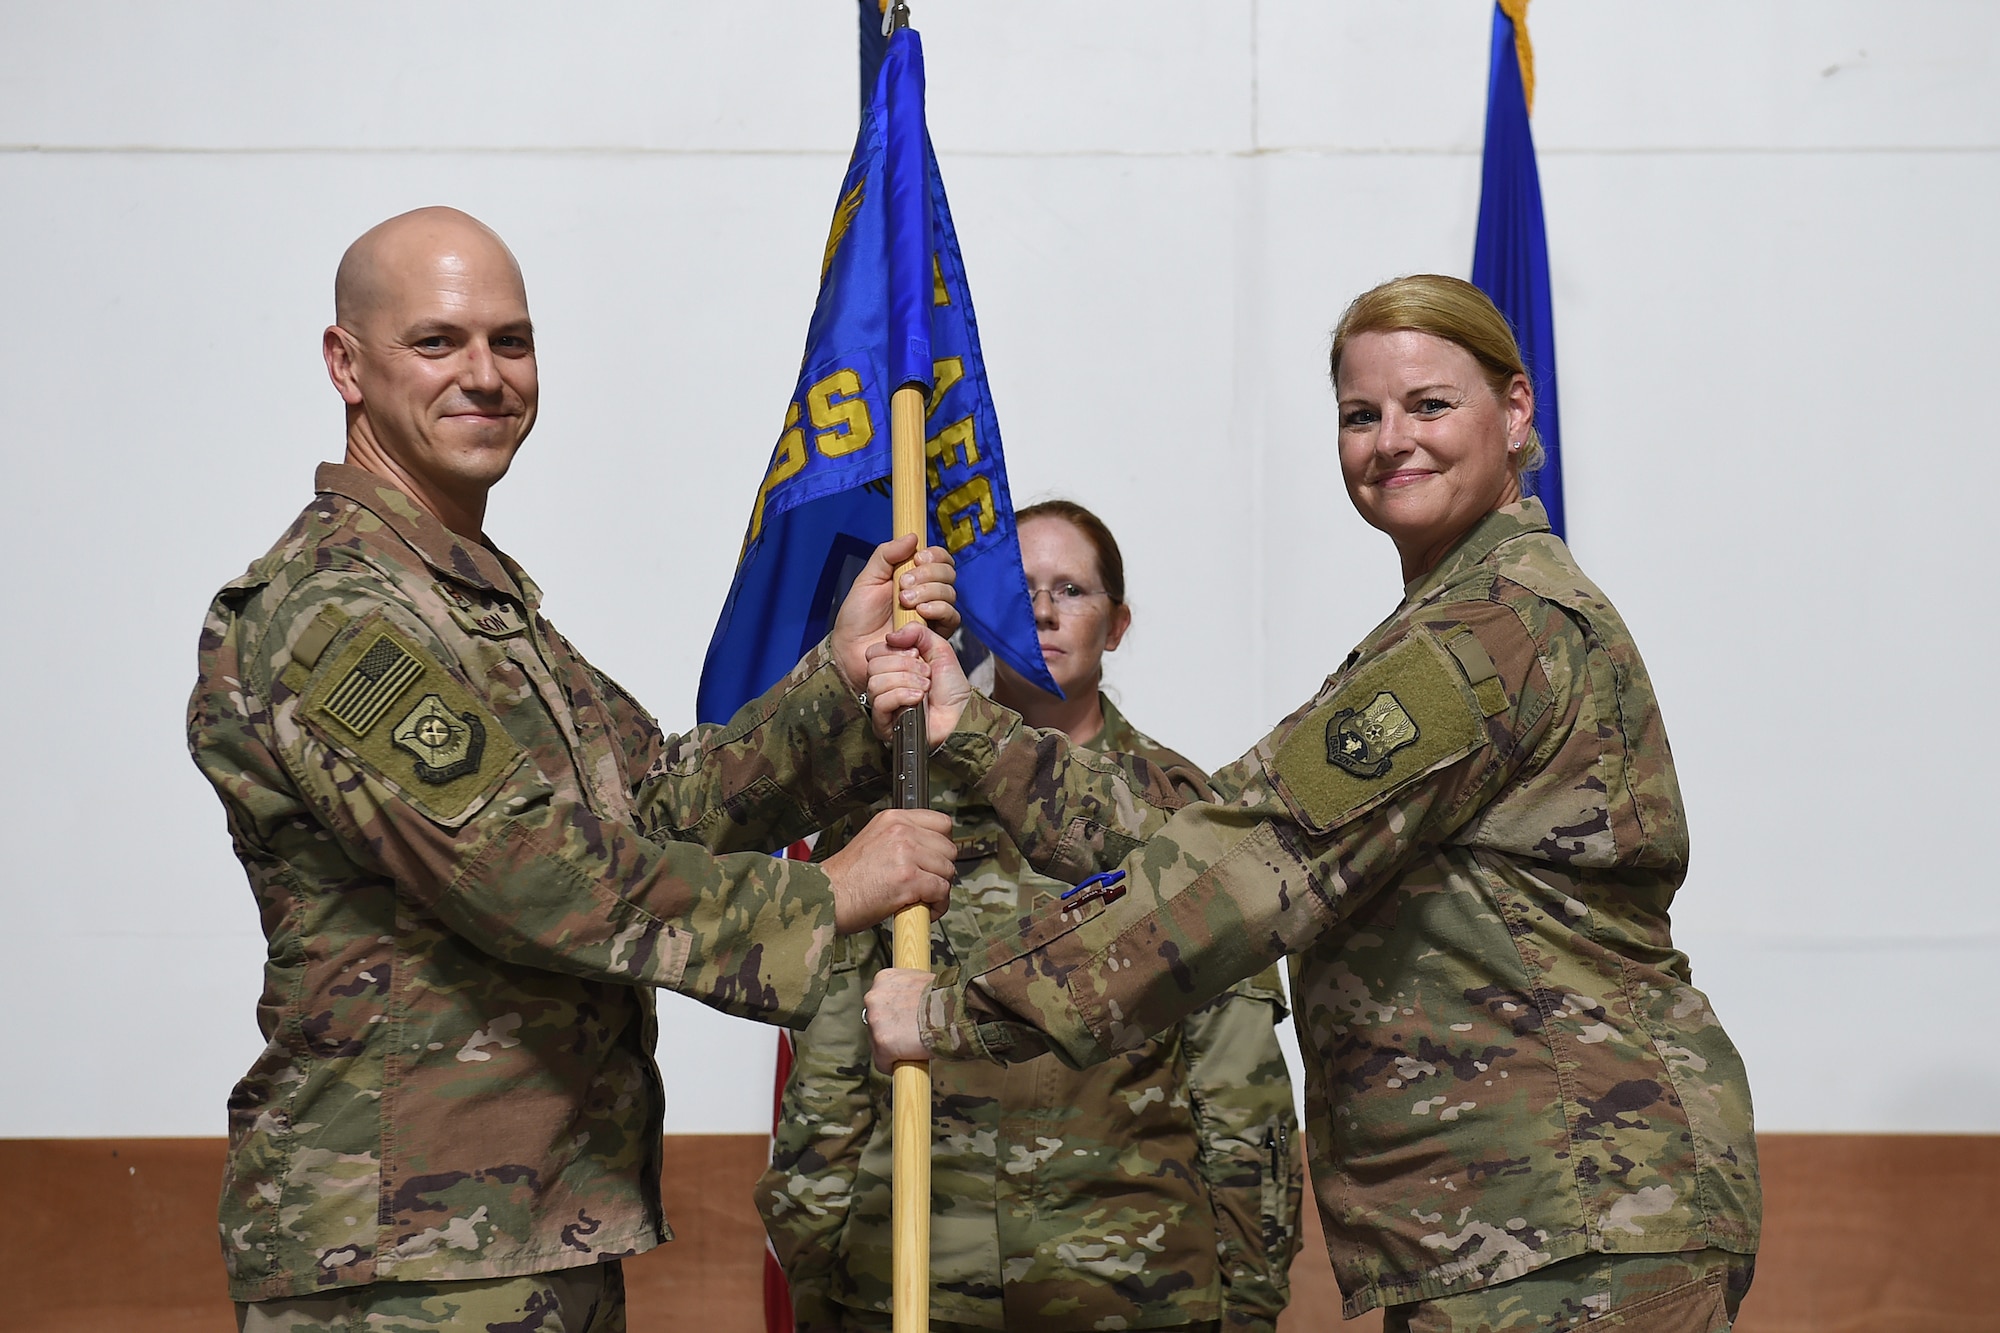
[(1425, 443)]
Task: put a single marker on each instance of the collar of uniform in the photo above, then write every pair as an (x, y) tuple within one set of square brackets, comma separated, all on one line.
[(1118, 734), (442, 549), (1524, 516), (531, 592)]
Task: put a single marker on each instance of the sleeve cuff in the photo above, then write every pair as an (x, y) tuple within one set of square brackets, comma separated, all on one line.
[(848, 765), (814, 683), (800, 992), (817, 678), (948, 1028), (970, 750), (1249, 1321)]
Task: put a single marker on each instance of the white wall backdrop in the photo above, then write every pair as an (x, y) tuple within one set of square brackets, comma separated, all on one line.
[(1771, 231)]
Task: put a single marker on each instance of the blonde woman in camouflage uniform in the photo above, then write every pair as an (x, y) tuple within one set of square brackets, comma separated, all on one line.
[(1154, 1190), (1520, 1111)]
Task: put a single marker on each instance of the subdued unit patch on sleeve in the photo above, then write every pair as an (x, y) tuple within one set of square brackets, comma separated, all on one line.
[(387, 704), (1394, 720)]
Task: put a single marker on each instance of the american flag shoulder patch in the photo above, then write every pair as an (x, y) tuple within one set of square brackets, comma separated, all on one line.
[(381, 698), (368, 690)]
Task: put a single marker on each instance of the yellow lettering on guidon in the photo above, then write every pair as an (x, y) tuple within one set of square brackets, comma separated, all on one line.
[(950, 447), (842, 422), (843, 217), (789, 462), (946, 371), (841, 426), (966, 515)]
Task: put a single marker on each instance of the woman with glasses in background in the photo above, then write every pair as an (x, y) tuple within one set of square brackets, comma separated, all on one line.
[(1154, 1191)]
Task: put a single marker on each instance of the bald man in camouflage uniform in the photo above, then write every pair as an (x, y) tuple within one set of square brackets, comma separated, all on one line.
[(1156, 1190), (1520, 1110), (474, 854)]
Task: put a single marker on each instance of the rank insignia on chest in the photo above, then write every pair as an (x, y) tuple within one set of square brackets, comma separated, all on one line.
[(1362, 742), (446, 745)]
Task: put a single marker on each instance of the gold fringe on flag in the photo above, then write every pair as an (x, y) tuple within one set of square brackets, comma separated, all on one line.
[(1524, 50)]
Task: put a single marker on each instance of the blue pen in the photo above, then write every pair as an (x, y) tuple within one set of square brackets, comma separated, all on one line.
[(1105, 884)]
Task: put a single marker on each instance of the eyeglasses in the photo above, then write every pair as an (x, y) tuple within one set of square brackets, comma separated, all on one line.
[(1065, 597)]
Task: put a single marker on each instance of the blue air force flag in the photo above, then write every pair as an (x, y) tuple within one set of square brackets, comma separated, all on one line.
[(1510, 255), (893, 309)]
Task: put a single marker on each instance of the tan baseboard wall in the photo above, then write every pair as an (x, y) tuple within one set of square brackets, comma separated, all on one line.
[(1863, 1234)]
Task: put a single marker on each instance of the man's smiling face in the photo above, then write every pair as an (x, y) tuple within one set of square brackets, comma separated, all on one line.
[(441, 358)]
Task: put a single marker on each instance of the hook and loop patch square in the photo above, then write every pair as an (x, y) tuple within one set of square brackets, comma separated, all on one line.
[(387, 704), (1393, 720)]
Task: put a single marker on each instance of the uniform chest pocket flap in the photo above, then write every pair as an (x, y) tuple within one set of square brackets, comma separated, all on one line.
[(1085, 902), (384, 702), (1389, 722)]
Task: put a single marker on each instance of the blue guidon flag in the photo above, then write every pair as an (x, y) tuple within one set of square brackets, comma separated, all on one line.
[(893, 310), (1510, 255)]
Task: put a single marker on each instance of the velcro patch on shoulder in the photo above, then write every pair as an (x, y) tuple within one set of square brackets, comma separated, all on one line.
[(1480, 672), (1391, 721), (386, 703), (313, 639), (309, 643)]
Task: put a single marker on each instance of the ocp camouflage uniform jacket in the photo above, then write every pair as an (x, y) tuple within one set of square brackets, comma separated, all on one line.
[(1468, 842), (473, 854), (1153, 1190)]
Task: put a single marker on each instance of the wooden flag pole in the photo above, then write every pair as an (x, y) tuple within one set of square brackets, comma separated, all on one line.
[(911, 1197)]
